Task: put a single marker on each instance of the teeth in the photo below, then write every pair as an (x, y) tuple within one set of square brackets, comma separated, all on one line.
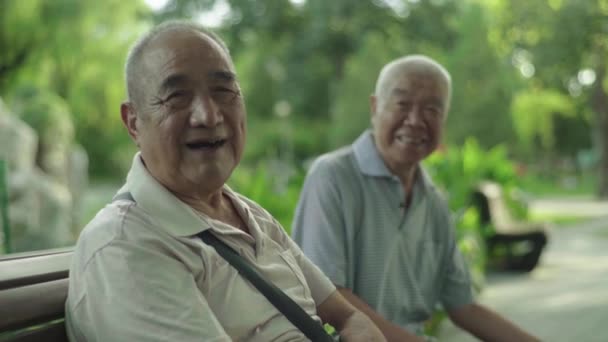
[(206, 144), (409, 140)]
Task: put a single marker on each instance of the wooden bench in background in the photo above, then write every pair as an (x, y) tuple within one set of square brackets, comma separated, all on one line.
[(521, 242), (33, 290)]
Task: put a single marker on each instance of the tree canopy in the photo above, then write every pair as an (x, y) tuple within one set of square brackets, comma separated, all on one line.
[(527, 74)]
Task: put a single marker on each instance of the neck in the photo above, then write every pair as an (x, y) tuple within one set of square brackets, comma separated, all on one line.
[(211, 204), (407, 176)]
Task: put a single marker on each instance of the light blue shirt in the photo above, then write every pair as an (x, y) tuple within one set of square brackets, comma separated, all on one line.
[(351, 222)]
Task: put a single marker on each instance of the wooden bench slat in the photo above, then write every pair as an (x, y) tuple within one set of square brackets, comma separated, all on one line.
[(52, 332), (25, 306), (15, 272)]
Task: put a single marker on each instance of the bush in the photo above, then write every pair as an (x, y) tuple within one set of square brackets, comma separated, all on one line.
[(273, 185), (457, 172)]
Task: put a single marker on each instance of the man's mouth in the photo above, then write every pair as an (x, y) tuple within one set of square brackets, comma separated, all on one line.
[(206, 144), (404, 139)]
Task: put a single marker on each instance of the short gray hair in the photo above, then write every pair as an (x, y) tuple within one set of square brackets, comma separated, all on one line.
[(134, 56), (416, 63)]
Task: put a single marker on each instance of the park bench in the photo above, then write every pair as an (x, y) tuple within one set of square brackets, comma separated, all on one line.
[(33, 290), (511, 245)]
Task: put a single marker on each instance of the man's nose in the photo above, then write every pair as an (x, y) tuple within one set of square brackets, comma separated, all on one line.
[(413, 117), (205, 113)]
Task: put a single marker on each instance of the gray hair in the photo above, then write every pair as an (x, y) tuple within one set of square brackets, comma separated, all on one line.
[(415, 63), (133, 64)]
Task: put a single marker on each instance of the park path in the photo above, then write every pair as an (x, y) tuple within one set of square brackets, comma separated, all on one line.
[(566, 297)]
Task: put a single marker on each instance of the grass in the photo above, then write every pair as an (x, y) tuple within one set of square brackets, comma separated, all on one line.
[(602, 234), (557, 219), (550, 185)]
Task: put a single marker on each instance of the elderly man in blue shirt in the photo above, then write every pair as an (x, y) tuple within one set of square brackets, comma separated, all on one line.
[(370, 217)]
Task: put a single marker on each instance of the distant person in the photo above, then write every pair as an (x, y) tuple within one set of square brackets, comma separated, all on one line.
[(370, 217), (139, 271)]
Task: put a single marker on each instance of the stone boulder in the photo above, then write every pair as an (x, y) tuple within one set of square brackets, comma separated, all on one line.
[(40, 204)]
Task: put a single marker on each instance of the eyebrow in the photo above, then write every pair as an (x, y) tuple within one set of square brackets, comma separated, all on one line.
[(399, 91), (177, 80), (222, 75), (435, 100), (174, 81)]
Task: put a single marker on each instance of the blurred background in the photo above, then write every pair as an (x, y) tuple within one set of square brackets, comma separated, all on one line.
[(529, 110)]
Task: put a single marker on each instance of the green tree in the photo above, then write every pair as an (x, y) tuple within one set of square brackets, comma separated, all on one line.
[(483, 84), (558, 43), (74, 49)]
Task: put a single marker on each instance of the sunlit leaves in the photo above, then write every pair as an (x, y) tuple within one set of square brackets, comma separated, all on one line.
[(533, 115)]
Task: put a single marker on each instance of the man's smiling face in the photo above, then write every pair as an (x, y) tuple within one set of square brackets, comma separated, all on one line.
[(191, 122), (407, 117)]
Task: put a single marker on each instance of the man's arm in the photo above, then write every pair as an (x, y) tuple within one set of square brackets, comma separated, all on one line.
[(457, 298), (351, 323), (487, 325), (391, 331)]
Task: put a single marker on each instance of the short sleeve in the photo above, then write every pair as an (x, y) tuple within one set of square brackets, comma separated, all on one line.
[(134, 293), (318, 226)]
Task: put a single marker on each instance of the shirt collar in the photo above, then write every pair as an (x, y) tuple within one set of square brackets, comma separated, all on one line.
[(368, 158), (370, 161), (171, 214)]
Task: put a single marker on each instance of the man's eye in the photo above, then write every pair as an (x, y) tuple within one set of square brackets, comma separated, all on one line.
[(431, 111), (224, 95), (404, 104), (179, 98), (176, 95)]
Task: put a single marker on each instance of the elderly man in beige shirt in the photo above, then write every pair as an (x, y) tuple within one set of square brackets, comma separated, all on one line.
[(140, 273)]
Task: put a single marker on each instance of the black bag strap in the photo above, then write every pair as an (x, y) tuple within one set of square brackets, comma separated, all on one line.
[(294, 313), (291, 310)]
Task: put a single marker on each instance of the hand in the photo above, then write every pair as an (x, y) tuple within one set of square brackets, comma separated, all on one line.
[(359, 327), (352, 324)]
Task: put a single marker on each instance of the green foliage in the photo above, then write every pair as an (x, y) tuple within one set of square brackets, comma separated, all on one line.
[(47, 113), (4, 219), (534, 115), (483, 83), (556, 41), (458, 170), (75, 50), (275, 187), (350, 110), (310, 67)]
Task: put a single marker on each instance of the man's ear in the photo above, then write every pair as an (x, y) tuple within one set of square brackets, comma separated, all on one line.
[(373, 106), (129, 119)]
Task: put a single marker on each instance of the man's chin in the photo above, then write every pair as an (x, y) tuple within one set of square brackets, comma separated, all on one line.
[(413, 151), (209, 175)]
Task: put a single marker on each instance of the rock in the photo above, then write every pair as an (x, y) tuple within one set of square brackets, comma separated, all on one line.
[(40, 207)]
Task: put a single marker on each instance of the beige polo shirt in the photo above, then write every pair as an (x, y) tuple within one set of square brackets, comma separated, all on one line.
[(140, 274)]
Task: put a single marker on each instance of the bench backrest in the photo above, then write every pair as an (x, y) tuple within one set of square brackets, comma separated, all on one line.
[(493, 207), (33, 290)]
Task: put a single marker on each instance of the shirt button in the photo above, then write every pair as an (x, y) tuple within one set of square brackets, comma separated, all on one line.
[(258, 329)]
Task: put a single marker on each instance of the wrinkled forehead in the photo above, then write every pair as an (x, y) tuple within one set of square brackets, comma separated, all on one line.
[(184, 52)]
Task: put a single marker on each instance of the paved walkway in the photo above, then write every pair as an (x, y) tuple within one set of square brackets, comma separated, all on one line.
[(584, 206), (565, 298)]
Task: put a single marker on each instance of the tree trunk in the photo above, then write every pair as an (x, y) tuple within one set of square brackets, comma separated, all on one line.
[(600, 107)]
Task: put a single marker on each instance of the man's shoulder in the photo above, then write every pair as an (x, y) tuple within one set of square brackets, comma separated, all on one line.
[(437, 196), (338, 161), (438, 205), (107, 227)]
